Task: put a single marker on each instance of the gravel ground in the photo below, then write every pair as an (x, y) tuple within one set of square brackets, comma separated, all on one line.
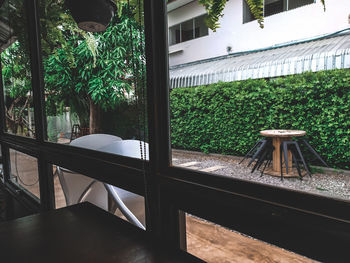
[(336, 185)]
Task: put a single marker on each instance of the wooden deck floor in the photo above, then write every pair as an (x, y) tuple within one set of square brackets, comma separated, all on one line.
[(216, 244)]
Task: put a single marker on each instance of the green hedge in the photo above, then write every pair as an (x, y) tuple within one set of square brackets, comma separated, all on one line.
[(124, 122), (226, 118)]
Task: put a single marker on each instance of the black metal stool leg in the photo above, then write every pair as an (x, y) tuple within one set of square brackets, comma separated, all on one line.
[(302, 159), (262, 172), (260, 149), (281, 150), (295, 160), (260, 160), (266, 153), (267, 163), (270, 161), (250, 151), (285, 151), (314, 152)]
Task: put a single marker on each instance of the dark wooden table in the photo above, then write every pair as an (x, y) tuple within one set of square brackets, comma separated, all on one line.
[(79, 233)]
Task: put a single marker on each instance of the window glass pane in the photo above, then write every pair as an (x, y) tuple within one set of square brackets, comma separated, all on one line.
[(215, 244), (16, 71), (187, 31), (201, 29), (298, 3), (174, 35), (221, 101), (247, 15), (72, 188), (95, 82), (273, 7), (24, 172)]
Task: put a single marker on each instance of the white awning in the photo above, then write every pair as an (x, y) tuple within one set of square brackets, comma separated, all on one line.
[(326, 53)]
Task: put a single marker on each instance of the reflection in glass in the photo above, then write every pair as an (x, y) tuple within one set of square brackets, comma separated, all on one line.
[(200, 28), (24, 172), (187, 32), (298, 3), (273, 7), (15, 67), (175, 35)]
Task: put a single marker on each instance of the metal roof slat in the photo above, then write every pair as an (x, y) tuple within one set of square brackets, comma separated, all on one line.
[(324, 54)]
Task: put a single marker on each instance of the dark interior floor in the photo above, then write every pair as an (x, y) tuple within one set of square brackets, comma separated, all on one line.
[(2, 205)]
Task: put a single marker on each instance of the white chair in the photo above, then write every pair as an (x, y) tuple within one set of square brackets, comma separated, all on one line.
[(78, 188), (95, 141), (130, 148)]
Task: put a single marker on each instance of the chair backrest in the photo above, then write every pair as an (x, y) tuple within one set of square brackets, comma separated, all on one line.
[(129, 148), (79, 188), (134, 202), (95, 141)]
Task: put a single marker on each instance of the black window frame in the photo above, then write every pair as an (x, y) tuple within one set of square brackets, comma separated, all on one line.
[(315, 226)]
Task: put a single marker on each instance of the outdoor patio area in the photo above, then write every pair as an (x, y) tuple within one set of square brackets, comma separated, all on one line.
[(324, 181)]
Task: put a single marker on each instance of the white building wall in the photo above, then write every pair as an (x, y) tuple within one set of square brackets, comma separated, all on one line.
[(303, 22)]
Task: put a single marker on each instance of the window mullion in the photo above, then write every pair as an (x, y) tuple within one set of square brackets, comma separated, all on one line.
[(45, 178), (264, 8), (180, 32), (194, 28)]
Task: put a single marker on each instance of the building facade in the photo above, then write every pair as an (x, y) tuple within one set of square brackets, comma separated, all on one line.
[(285, 21)]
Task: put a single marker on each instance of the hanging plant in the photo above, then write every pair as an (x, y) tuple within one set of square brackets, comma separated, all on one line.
[(92, 15)]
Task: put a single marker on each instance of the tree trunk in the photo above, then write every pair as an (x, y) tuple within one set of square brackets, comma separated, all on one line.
[(95, 117)]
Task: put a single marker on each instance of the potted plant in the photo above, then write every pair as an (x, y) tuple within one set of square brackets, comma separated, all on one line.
[(92, 15)]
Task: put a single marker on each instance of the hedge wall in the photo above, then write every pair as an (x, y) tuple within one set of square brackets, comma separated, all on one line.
[(124, 122), (226, 118)]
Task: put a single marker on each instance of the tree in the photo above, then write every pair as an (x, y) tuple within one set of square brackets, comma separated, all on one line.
[(16, 72), (98, 81), (17, 88), (87, 72)]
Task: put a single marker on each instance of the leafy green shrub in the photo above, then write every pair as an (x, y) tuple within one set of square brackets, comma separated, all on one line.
[(226, 118)]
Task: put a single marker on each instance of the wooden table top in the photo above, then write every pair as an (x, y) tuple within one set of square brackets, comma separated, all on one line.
[(282, 133), (80, 233)]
